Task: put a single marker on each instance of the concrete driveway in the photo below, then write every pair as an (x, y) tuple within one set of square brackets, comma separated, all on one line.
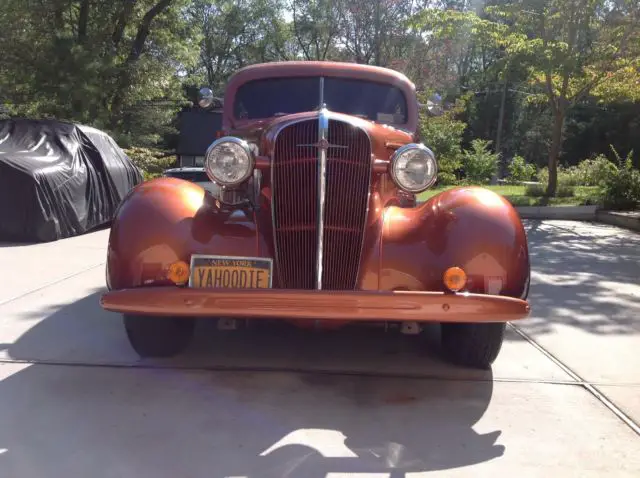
[(274, 402)]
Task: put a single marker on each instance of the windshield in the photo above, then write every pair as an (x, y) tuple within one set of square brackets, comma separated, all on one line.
[(270, 97)]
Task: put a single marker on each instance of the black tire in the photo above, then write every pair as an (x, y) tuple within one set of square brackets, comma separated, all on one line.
[(158, 336), (472, 345)]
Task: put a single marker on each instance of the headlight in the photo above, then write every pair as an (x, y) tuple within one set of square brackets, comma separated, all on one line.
[(229, 161), (414, 168)]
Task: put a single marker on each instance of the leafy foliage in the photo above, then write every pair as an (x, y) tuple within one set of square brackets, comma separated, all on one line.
[(479, 163), (88, 61), (443, 134), (316, 26), (555, 81), (594, 172), (535, 190), (590, 172), (570, 176), (519, 170), (151, 162), (621, 188), (572, 49), (234, 34), (565, 190)]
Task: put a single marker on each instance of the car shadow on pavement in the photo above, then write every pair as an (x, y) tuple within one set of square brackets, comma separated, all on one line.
[(585, 280), (79, 332), (176, 418), (77, 421)]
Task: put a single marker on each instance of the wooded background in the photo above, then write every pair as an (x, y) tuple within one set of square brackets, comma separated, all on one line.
[(552, 81)]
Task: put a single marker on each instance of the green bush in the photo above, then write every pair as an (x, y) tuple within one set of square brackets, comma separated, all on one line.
[(446, 178), (593, 172), (619, 185), (443, 135), (590, 172), (621, 189), (152, 162), (535, 190), (543, 176), (565, 190), (519, 170), (570, 176), (479, 163)]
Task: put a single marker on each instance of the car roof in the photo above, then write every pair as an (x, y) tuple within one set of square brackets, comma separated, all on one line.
[(319, 68)]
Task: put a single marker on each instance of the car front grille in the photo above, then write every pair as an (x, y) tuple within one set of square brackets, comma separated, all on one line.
[(295, 204)]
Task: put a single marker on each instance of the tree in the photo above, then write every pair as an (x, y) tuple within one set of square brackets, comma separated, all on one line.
[(143, 30), (461, 43), (573, 49), (316, 26), (540, 78), (89, 61), (373, 31), (236, 34)]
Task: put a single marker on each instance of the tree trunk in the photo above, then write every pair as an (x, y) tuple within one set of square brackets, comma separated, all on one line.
[(377, 56), (58, 15), (554, 151), (126, 11), (83, 20), (503, 100), (134, 55)]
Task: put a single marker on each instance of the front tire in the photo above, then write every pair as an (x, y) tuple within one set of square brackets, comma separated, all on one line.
[(158, 336), (472, 345)]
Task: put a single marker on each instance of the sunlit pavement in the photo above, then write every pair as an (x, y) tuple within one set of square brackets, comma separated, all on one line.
[(274, 402)]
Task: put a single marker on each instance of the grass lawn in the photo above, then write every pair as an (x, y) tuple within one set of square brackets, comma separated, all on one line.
[(515, 194)]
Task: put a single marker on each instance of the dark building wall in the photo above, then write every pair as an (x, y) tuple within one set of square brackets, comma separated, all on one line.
[(198, 130)]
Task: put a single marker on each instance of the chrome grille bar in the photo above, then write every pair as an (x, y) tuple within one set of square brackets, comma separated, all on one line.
[(323, 130)]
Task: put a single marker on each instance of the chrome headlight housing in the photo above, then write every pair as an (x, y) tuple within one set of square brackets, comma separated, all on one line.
[(229, 161), (414, 168)]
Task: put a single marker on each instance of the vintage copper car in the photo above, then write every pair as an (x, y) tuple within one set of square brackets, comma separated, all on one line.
[(314, 220)]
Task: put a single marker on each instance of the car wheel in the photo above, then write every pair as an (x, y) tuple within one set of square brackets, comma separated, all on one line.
[(472, 345), (158, 336)]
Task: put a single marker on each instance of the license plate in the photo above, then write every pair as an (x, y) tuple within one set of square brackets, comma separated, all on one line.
[(230, 272)]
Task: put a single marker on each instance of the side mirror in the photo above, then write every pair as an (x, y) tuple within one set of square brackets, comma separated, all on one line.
[(205, 98)]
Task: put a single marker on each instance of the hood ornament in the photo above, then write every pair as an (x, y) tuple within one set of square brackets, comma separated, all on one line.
[(323, 144)]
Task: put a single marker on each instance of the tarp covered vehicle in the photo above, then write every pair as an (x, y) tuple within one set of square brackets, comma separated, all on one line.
[(59, 179), (310, 223)]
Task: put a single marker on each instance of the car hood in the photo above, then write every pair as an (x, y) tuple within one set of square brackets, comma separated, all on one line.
[(385, 138)]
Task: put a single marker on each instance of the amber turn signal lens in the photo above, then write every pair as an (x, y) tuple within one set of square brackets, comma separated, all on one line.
[(454, 279), (178, 272)]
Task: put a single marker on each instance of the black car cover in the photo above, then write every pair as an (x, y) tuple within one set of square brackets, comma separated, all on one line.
[(59, 179)]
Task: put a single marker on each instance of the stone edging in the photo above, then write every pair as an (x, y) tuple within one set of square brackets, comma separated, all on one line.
[(569, 213), (627, 220)]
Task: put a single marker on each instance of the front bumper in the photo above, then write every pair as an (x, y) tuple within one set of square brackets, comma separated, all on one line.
[(397, 306)]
